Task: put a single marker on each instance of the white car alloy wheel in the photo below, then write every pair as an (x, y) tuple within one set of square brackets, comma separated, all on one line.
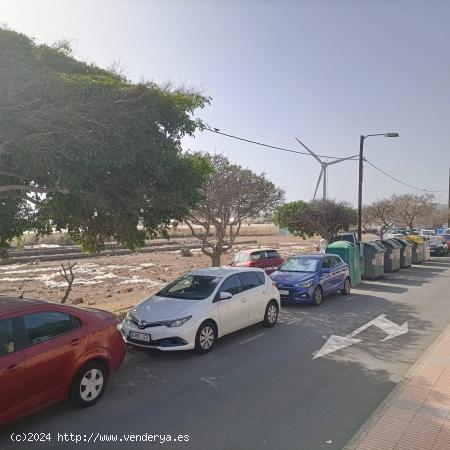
[(272, 314), (91, 385), (206, 337)]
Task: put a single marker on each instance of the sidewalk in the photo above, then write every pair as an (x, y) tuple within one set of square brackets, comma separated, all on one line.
[(416, 415)]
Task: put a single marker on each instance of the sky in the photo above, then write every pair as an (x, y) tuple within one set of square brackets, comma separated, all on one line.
[(323, 71)]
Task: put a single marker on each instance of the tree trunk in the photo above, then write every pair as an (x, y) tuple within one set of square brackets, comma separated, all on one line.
[(215, 259)]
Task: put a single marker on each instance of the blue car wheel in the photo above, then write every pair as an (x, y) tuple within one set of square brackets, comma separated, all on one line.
[(317, 296), (347, 287)]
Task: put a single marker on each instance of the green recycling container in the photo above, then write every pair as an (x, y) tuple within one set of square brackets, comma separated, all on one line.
[(350, 254), (392, 255), (405, 252), (373, 257)]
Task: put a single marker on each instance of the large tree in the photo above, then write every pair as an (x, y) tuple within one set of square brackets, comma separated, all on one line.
[(231, 195), (409, 207), (382, 213), (325, 218), (95, 154)]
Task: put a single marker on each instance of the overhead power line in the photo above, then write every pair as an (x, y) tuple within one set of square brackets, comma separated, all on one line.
[(289, 150), (262, 144), (400, 181)]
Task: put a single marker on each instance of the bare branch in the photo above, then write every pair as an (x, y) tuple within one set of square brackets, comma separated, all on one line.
[(69, 276)]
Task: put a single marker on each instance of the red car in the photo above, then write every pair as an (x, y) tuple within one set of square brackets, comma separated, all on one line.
[(264, 258), (447, 239), (49, 352)]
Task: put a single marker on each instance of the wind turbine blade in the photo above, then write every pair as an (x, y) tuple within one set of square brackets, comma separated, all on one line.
[(308, 150), (318, 182), (341, 159)]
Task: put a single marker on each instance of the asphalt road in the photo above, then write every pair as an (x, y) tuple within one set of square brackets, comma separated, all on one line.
[(261, 388)]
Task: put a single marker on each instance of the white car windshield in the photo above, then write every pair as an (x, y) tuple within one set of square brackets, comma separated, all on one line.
[(190, 287), (300, 264)]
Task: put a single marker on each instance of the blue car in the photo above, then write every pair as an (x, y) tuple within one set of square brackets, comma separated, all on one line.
[(307, 278)]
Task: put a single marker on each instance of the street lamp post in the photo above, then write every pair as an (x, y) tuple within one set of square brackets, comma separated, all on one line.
[(362, 138)]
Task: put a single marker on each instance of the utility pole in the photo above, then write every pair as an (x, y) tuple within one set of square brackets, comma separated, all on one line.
[(448, 215), (360, 185), (361, 168)]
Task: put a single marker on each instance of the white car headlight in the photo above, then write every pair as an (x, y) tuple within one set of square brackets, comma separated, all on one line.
[(176, 322), (305, 284)]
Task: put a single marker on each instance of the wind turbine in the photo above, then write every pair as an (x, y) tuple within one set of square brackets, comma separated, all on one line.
[(323, 171)]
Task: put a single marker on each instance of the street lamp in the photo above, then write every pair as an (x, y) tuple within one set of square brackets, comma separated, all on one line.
[(360, 183)]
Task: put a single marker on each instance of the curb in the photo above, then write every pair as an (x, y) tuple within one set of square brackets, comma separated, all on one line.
[(360, 435)]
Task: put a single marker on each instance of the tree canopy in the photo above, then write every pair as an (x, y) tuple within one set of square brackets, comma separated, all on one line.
[(380, 214), (409, 207), (323, 217), (96, 154), (231, 195)]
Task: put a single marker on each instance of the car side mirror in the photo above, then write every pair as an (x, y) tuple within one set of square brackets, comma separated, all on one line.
[(325, 270), (222, 296), (225, 295)]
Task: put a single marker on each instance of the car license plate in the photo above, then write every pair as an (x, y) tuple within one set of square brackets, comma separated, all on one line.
[(283, 292), (140, 336)]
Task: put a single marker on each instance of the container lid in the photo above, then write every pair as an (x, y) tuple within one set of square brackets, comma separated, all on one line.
[(404, 242), (374, 247), (341, 244), (391, 243)]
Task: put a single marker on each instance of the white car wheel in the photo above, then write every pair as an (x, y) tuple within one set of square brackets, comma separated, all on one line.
[(91, 385), (206, 337), (271, 315)]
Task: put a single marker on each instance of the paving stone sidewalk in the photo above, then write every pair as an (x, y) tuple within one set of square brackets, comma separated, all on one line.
[(416, 416)]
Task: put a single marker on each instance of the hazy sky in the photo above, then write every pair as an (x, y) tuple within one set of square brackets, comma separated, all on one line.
[(325, 71)]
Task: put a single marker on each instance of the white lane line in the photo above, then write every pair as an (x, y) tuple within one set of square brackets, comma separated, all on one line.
[(251, 339)]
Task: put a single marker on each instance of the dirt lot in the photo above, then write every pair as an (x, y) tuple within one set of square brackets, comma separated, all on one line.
[(118, 282)]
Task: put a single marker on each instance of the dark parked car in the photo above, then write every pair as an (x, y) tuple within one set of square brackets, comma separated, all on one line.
[(307, 278), (49, 352), (438, 246), (263, 258)]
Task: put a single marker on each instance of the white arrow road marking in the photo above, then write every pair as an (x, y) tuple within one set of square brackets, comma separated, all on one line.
[(335, 342)]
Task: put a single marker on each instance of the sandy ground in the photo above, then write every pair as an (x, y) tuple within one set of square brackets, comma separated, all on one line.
[(116, 283)]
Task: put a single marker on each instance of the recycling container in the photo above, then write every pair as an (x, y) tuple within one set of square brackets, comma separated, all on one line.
[(405, 252), (350, 254), (418, 251), (373, 258), (426, 250), (392, 255)]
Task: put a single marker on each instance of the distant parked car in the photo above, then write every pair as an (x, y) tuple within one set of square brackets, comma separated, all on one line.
[(424, 232), (307, 278), (49, 352), (402, 231), (201, 306), (265, 258), (438, 246), (447, 239), (394, 235)]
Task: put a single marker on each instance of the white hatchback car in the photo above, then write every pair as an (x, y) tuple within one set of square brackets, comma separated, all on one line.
[(201, 306)]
